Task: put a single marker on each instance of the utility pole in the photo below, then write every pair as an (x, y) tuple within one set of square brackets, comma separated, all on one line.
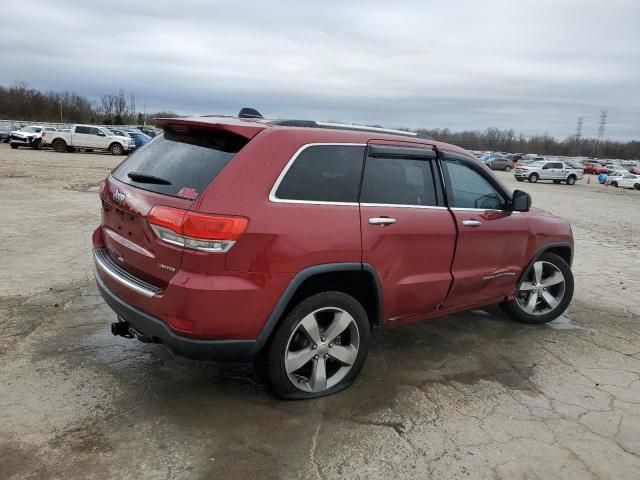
[(603, 123), (61, 113), (579, 129), (133, 105)]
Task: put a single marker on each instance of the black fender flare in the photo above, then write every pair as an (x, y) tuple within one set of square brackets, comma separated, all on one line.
[(539, 253), (298, 280)]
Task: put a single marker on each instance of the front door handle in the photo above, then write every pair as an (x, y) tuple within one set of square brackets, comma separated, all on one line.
[(382, 221), (471, 223)]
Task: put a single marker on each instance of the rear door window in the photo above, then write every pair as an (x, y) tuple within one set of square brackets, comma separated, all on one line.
[(180, 164), (324, 173), (85, 130), (399, 181)]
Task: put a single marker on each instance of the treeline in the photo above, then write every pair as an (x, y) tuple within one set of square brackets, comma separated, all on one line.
[(507, 141), (19, 102)]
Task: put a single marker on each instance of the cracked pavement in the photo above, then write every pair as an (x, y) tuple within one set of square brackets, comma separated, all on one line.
[(468, 396)]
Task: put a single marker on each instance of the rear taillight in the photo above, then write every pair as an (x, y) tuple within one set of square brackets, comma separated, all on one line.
[(197, 231)]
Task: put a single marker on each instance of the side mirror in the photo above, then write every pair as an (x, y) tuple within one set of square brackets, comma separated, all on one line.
[(101, 134), (521, 201)]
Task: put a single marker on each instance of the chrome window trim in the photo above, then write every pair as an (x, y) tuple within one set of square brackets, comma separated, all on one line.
[(399, 205), (283, 173), (136, 285)]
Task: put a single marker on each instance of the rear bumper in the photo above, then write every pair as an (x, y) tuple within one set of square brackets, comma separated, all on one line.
[(220, 350)]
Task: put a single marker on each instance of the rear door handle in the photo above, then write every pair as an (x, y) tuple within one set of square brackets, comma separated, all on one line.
[(471, 223), (382, 221)]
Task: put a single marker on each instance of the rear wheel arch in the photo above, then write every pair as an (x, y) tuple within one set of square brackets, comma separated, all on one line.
[(355, 279)]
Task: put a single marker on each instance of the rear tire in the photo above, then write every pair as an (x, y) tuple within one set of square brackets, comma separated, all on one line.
[(636, 186), (544, 293), (533, 178), (507, 168), (14, 146), (571, 180), (614, 184), (305, 339), (59, 146)]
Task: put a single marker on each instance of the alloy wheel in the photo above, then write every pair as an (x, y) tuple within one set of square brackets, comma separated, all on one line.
[(322, 349), (542, 290)]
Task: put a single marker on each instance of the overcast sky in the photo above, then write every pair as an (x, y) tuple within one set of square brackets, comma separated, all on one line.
[(531, 65)]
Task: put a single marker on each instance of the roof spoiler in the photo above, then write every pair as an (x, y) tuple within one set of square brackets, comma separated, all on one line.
[(232, 125)]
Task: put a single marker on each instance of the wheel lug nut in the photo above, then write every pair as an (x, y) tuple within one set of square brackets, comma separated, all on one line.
[(314, 346), (323, 338), (326, 355), (315, 357), (331, 345)]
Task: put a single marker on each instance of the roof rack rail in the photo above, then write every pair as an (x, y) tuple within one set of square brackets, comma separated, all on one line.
[(364, 128), (342, 126)]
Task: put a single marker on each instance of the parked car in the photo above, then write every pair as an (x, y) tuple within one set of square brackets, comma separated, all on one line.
[(147, 130), (549, 170), (5, 133), (593, 167), (613, 176), (33, 136), (91, 137), (218, 254), (629, 181), (499, 162), (140, 139)]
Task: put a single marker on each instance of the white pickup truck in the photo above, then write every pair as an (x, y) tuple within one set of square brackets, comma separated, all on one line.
[(90, 137), (555, 170)]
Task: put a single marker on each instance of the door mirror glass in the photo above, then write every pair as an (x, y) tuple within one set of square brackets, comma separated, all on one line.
[(521, 201), (100, 133)]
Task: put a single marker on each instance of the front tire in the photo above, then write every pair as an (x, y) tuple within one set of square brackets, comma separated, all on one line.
[(544, 293), (14, 146), (571, 180), (507, 168), (533, 178), (614, 184), (38, 145), (116, 149), (318, 349), (636, 186)]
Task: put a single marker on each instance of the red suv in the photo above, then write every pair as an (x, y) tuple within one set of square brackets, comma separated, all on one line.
[(286, 242)]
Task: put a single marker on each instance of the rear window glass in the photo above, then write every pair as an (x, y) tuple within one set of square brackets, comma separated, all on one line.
[(180, 164), (324, 173)]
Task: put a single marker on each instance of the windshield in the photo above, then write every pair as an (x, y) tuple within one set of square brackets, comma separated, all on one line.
[(537, 164), (107, 131), (32, 129)]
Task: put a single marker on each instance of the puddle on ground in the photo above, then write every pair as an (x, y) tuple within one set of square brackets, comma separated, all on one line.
[(564, 323)]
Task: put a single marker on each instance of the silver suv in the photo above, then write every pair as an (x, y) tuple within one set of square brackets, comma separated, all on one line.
[(554, 170)]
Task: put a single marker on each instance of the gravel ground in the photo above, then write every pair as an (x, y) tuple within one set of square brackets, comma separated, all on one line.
[(468, 396)]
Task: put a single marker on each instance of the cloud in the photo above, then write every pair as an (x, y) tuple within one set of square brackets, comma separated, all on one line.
[(530, 65)]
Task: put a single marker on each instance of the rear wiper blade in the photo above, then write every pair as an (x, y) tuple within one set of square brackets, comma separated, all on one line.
[(144, 178)]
